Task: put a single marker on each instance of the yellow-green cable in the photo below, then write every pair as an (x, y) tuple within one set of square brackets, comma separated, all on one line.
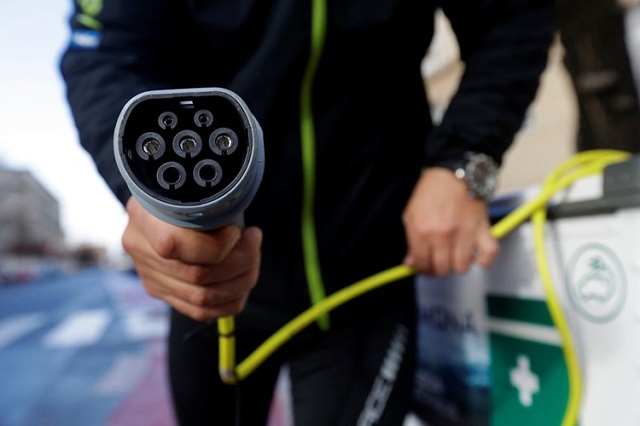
[(579, 166), (534, 209), (525, 211), (572, 409), (227, 350), (308, 143), (290, 329), (591, 162), (307, 317)]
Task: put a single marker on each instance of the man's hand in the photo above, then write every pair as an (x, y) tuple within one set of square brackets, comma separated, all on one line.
[(446, 230), (204, 275)]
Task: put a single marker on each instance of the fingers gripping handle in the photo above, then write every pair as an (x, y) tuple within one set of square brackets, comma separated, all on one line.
[(193, 158)]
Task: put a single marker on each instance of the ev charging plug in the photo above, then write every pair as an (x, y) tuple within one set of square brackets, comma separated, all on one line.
[(192, 157)]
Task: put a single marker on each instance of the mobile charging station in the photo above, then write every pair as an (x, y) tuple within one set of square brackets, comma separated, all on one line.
[(490, 352)]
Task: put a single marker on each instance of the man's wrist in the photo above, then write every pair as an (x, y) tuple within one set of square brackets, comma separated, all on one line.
[(478, 171)]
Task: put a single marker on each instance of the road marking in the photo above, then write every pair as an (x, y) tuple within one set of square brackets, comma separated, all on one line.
[(142, 324), (79, 329), (14, 328)]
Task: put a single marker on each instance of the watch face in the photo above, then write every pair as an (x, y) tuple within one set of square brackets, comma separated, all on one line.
[(481, 175)]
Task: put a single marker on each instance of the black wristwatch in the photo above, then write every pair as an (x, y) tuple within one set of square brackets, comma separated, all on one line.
[(478, 171)]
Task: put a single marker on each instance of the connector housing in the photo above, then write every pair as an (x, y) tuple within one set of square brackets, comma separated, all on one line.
[(191, 157)]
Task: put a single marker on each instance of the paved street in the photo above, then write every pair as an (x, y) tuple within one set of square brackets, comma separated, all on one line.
[(84, 349), (87, 349)]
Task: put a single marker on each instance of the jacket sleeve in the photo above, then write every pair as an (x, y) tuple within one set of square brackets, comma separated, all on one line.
[(111, 57), (504, 46)]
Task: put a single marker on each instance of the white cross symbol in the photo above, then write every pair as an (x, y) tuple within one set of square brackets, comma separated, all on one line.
[(524, 381)]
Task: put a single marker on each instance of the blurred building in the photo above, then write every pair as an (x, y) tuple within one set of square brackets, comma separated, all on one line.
[(29, 217)]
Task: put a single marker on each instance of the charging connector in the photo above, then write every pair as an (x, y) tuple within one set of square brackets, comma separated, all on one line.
[(191, 157)]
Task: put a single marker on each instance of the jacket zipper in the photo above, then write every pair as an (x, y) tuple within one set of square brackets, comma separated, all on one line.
[(308, 143)]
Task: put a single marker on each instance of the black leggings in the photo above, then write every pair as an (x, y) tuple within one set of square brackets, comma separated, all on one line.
[(360, 372)]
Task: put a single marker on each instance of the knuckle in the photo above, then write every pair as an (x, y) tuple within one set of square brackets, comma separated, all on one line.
[(165, 246), (462, 267), (125, 241), (197, 275), (440, 231), (201, 298), (491, 250), (128, 242)]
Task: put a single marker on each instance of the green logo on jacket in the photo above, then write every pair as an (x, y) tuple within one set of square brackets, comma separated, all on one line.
[(89, 9)]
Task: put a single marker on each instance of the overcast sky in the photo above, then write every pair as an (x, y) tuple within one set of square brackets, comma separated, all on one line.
[(36, 129)]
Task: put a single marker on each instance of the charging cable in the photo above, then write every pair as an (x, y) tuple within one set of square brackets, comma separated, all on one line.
[(579, 166), (160, 162), (582, 165)]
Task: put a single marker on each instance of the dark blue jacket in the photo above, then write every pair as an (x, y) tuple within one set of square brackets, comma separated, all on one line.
[(373, 130)]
